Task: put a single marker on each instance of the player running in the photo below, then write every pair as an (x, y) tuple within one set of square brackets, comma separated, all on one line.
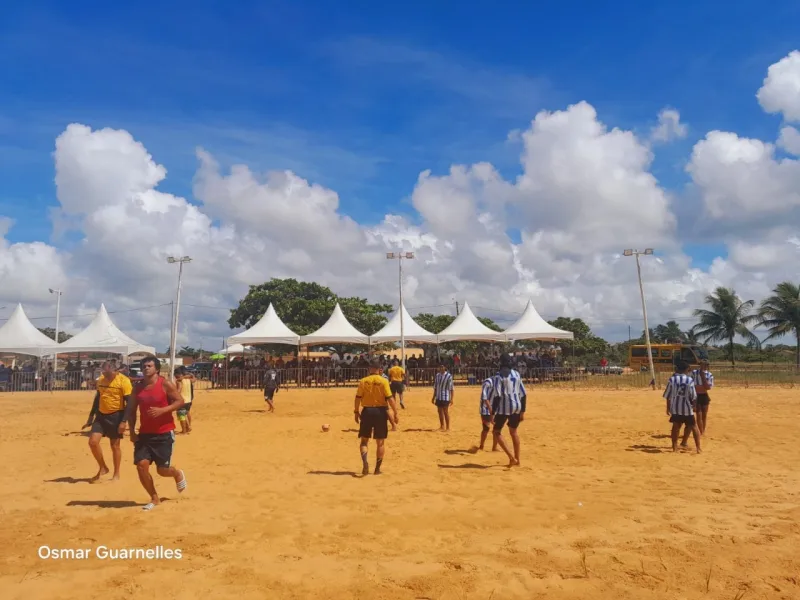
[(397, 380), (271, 387), (374, 398)]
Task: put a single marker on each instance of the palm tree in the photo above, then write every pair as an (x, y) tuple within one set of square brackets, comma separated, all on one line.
[(780, 314), (729, 316)]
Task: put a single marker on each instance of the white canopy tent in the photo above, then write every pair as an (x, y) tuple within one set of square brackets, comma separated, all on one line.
[(101, 335), (531, 326), (20, 336), (269, 330), (467, 327), (336, 330), (412, 332), (235, 349)]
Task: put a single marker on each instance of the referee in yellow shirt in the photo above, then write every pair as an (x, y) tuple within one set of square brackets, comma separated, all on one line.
[(397, 381), (113, 393), (374, 398)]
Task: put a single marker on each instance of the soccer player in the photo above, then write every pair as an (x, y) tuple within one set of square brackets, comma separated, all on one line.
[(443, 396), (184, 381), (156, 398), (271, 387), (509, 401), (374, 398), (681, 397), (397, 380), (108, 411), (487, 394), (703, 382)]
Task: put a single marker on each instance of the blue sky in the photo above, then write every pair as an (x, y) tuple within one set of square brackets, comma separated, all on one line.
[(362, 96)]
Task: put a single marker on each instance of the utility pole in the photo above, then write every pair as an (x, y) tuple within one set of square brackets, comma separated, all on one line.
[(637, 253), (456, 307), (58, 317), (400, 256), (174, 336)]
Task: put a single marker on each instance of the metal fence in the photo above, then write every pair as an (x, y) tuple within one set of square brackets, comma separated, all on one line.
[(323, 377)]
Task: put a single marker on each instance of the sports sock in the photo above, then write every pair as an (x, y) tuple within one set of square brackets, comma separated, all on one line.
[(378, 464), (364, 458)]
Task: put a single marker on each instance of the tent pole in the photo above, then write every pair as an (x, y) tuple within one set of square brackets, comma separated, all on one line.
[(299, 365), (227, 364)]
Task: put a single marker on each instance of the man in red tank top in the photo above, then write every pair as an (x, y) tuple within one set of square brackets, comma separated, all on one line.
[(156, 399)]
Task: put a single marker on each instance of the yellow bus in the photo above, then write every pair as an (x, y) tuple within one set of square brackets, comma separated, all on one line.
[(665, 356)]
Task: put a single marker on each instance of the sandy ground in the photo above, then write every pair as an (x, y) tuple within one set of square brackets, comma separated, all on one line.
[(601, 508)]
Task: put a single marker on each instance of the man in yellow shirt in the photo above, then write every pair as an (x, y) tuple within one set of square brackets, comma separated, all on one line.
[(113, 393), (397, 380), (374, 397)]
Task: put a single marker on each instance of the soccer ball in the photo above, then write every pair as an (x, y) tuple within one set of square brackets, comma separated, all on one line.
[(326, 427)]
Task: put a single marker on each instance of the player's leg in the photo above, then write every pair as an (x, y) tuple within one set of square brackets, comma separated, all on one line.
[(696, 434), (441, 416), (484, 431), (703, 421), (513, 427), (499, 422), (116, 454), (447, 416), (146, 479), (94, 445), (687, 431), (676, 428)]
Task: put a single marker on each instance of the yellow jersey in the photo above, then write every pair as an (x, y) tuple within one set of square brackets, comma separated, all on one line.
[(397, 374), (112, 393), (374, 391), (185, 387)]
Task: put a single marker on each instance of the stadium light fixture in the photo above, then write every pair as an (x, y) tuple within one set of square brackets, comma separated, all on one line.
[(637, 253), (400, 257), (174, 334)]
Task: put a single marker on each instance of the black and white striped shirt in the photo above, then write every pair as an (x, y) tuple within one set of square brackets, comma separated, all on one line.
[(443, 387), (509, 394), (487, 394), (681, 395), (699, 381)]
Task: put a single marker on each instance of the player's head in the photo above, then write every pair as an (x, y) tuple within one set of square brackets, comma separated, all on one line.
[(180, 372), (150, 365), (442, 367), (395, 362), (375, 366), (704, 363), (109, 368), (681, 366), (505, 365)]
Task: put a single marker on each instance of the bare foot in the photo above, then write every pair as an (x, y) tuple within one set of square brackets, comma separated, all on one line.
[(100, 473), (684, 444), (441, 429), (674, 448), (512, 463), (115, 477)]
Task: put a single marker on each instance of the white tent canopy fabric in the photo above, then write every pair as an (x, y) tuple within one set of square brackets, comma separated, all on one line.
[(412, 332), (20, 336), (467, 327), (531, 326), (236, 349), (269, 330), (336, 330), (101, 335)]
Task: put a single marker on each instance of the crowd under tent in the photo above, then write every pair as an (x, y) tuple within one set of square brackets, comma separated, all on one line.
[(269, 330), (531, 326), (20, 336), (412, 332), (103, 336), (467, 327), (336, 330)]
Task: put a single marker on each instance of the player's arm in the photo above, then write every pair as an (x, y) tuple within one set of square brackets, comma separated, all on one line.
[(130, 416), (523, 400), (667, 393), (127, 400), (174, 397), (93, 411), (357, 405), (452, 392)]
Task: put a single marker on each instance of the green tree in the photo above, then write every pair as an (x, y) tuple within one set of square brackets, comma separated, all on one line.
[(669, 333), (188, 351), (305, 307), (438, 323), (588, 346), (51, 333), (780, 314), (727, 317)]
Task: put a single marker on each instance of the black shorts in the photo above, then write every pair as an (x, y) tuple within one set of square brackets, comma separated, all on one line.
[(155, 447), (442, 403), (682, 419), (501, 420), (268, 394), (703, 400), (108, 424), (397, 387), (374, 422)]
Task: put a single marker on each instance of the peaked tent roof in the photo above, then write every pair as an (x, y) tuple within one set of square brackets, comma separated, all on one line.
[(101, 335), (269, 330), (20, 336), (411, 330), (531, 326), (467, 327), (337, 330), (236, 349)]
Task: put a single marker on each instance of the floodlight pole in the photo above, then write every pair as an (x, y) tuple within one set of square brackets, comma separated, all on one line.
[(636, 253), (174, 333), (400, 256), (58, 318)]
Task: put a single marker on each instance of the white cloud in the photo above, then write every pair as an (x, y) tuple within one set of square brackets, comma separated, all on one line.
[(789, 140), (584, 193), (781, 90), (669, 126)]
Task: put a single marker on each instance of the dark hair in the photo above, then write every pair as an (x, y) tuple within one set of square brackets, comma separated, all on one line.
[(505, 361), (109, 361), (180, 371), (375, 363), (681, 366), (152, 359)]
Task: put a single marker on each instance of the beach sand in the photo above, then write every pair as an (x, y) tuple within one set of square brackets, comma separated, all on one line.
[(601, 507)]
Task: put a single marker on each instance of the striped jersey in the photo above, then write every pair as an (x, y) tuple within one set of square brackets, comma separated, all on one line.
[(698, 381), (487, 395), (681, 395), (509, 394), (443, 386)]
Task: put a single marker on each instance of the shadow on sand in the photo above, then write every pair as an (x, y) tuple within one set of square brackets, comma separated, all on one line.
[(107, 503), (86, 433), (467, 452), (69, 480), (645, 449), (339, 473), (470, 466), (660, 436), (419, 430)]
